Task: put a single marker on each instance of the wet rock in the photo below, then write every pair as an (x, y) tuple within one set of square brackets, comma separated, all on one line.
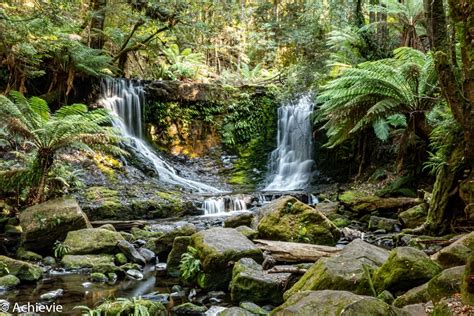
[(98, 277), (234, 221), (382, 223), (163, 298), (446, 283), (416, 295), (253, 308), (130, 252), (164, 243), (247, 232), (160, 269), (235, 311), (180, 246), (23, 270), (118, 308), (92, 241), (405, 268), (218, 248), (147, 254), (287, 219), (135, 274), (189, 309), (8, 281), (414, 216), (344, 272), (27, 255), (120, 258), (250, 282), (86, 261), (127, 236), (457, 253), (47, 222), (329, 302), (53, 295), (49, 261)]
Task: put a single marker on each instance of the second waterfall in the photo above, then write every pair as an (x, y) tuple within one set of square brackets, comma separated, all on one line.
[(125, 100), (290, 165)]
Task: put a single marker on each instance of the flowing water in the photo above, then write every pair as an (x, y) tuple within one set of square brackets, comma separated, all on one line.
[(290, 163), (223, 205), (125, 99)]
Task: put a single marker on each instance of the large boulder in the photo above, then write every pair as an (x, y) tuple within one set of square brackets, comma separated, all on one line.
[(287, 219), (416, 295), (45, 223), (251, 283), (457, 253), (164, 243), (344, 272), (334, 303), (92, 240), (8, 281), (405, 268), (414, 216), (218, 249), (180, 246), (87, 261), (22, 270)]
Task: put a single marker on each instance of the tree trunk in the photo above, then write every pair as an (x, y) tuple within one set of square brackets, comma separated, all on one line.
[(97, 23), (44, 163)]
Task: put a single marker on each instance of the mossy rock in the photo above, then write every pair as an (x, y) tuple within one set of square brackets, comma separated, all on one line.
[(23, 270), (130, 307), (92, 241), (164, 243), (235, 311), (344, 272), (189, 309), (234, 221), (415, 295), (337, 303), (98, 277), (253, 308), (8, 281), (404, 269), (120, 258), (86, 261), (457, 253), (414, 216), (387, 224), (251, 283), (47, 222), (144, 234), (287, 219), (401, 186), (247, 232), (180, 246), (218, 248), (446, 283), (362, 203), (467, 285), (24, 254)]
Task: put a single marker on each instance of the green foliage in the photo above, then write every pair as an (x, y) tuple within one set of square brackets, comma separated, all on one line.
[(368, 274), (181, 64), (190, 264), (4, 268), (60, 249)]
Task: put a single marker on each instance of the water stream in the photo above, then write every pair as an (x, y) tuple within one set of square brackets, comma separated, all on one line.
[(125, 99), (290, 164)]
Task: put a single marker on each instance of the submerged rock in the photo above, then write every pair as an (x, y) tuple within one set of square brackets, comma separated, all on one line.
[(334, 303), (343, 272), (23, 270), (405, 268), (287, 219), (47, 222), (218, 249), (251, 283), (92, 241)]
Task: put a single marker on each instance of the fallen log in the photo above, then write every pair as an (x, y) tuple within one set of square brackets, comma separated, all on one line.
[(365, 204), (121, 225), (283, 251), (288, 269)]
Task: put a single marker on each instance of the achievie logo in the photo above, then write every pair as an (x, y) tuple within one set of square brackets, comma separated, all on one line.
[(4, 306), (29, 307)]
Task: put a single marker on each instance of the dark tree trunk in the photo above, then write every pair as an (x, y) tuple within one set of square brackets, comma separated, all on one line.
[(97, 23)]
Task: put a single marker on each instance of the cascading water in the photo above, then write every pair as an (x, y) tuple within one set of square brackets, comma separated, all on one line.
[(290, 163), (222, 205), (125, 98)]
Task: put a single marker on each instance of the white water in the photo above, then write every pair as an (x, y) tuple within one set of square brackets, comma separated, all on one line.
[(125, 98), (291, 163), (222, 205)]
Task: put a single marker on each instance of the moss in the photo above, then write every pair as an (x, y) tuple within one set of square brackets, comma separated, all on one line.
[(415, 295), (24, 254), (23, 270), (98, 277), (120, 258), (129, 307), (86, 261), (92, 240), (446, 283), (9, 281), (467, 285), (341, 222)]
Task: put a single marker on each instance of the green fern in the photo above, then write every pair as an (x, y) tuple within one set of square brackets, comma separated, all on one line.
[(190, 265)]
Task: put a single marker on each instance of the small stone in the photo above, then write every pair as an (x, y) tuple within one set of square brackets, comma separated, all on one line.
[(49, 261), (189, 309), (120, 258), (131, 253), (147, 254), (51, 296), (98, 277), (135, 274)]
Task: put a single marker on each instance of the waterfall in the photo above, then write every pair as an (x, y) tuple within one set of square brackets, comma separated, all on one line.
[(125, 100), (290, 163), (222, 205)]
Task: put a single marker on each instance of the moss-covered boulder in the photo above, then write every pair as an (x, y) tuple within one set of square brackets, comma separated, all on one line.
[(180, 246), (251, 283), (343, 272), (189, 309), (144, 234), (404, 269), (446, 283), (416, 295), (334, 303), (23, 254), (467, 285), (86, 261), (414, 216), (132, 307), (218, 249), (387, 224), (47, 222), (457, 253), (164, 243), (8, 281), (92, 241), (247, 232), (287, 219), (23, 270)]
